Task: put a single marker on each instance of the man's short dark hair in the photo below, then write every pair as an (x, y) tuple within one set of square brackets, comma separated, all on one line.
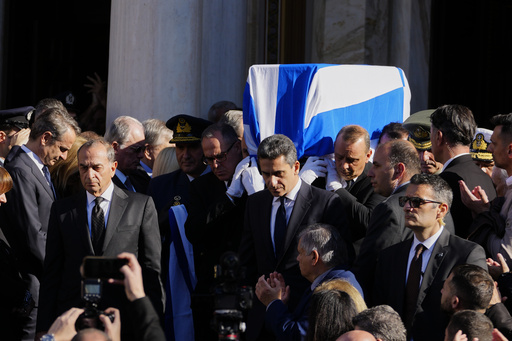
[(326, 240), (394, 130), (383, 322), (276, 145), (472, 285), (442, 192), (225, 130), (401, 151), (456, 122), (56, 121), (352, 133), (505, 121), (472, 323)]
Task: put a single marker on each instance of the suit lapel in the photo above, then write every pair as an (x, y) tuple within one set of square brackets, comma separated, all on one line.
[(117, 208), (402, 263), (36, 172), (81, 219), (439, 252), (300, 209), (266, 216)]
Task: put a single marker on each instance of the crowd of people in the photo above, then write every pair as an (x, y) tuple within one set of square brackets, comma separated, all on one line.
[(411, 240)]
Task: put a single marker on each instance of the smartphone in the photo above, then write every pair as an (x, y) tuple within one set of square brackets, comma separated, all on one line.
[(103, 267)]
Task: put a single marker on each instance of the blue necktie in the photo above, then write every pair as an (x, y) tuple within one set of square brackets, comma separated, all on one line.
[(46, 173)]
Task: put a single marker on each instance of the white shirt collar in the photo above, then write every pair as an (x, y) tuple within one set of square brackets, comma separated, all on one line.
[(292, 195), (453, 158), (428, 243), (107, 195), (34, 157)]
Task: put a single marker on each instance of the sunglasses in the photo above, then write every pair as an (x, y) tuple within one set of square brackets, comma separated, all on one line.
[(415, 202), (221, 157)]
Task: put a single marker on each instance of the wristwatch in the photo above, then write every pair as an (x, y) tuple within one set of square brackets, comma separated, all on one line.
[(48, 337)]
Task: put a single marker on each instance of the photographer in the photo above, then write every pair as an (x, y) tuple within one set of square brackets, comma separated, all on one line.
[(140, 309)]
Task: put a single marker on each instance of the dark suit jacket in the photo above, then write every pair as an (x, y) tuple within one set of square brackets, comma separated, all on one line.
[(131, 227), (26, 213), (170, 189), (140, 179), (214, 225), (386, 228), (359, 202), (463, 168), (312, 205), (293, 326), (147, 326), (449, 250)]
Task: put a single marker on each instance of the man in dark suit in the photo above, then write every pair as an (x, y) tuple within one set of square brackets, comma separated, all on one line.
[(104, 221), (320, 260), (352, 155), (273, 219), (394, 164), (410, 274), (215, 218), (126, 135), (25, 215), (451, 133)]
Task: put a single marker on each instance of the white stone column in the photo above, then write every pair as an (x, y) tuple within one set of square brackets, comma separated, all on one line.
[(173, 56)]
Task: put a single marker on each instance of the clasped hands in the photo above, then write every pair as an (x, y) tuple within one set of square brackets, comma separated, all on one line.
[(272, 288)]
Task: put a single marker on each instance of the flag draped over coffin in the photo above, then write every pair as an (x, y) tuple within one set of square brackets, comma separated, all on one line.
[(310, 103)]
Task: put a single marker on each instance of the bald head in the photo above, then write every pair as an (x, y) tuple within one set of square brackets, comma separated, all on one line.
[(356, 335)]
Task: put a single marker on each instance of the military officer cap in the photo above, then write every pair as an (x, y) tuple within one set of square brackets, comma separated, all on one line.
[(17, 117), (186, 128), (418, 125), (481, 141)]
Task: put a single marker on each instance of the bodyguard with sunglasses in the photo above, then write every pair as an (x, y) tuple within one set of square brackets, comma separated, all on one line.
[(410, 274), (215, 221)]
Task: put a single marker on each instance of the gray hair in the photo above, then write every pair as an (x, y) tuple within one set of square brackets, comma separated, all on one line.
[(111, 155), (120, 129), (324, 239), (155, 130), (275, 146), (441, 191), (56, 121), (383, 322), (235, 119)]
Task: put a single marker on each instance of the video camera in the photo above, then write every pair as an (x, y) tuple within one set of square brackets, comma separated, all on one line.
[(231, 300)]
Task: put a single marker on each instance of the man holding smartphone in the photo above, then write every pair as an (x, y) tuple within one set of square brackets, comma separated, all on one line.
[(104, 220)]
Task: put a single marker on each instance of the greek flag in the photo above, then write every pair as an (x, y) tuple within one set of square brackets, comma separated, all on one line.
[(310, 103)]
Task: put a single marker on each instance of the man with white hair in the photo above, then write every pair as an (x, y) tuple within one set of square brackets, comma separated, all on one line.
[(126, 135), (320, 258)]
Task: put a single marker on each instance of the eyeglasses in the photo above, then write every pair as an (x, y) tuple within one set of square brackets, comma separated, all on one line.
[(415, 202), (221, 157)]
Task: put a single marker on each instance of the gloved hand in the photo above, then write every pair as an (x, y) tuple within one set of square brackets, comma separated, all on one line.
[(251, 178), (236, 189), (333, 181), (315, 167)]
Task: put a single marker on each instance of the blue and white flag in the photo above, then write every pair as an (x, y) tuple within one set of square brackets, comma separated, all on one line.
[(310, 103)]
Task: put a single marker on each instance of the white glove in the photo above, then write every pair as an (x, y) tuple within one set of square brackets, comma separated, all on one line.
[(252, 179), (315, 167), (236, 189), (333, 181)]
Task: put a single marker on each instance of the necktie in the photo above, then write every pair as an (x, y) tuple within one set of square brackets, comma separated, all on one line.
[(46, 173), (280, 228), (413, 285), (349, 184), (97, 227)]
